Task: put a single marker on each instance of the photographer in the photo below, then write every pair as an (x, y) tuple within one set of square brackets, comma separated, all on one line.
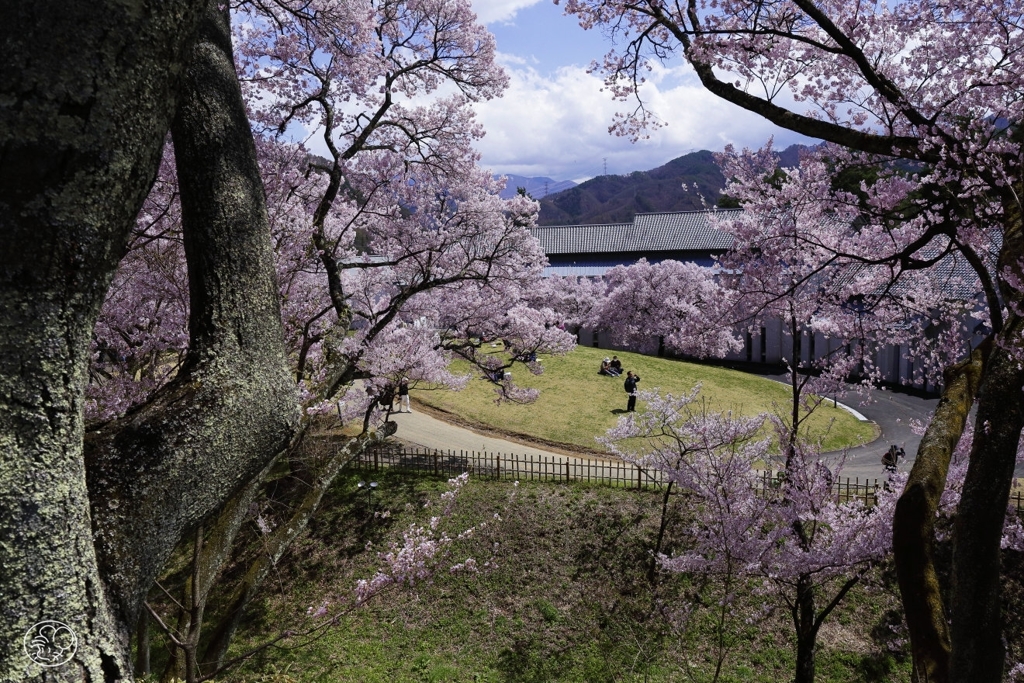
[(630, 387)]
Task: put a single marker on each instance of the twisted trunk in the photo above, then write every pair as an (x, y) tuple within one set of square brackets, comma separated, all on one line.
[(233, 405)]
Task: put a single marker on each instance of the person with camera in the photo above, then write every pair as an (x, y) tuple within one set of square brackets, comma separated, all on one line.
[(630, 387)]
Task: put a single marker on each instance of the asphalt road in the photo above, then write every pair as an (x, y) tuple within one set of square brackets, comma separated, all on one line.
[(422, 430), (893, 413)]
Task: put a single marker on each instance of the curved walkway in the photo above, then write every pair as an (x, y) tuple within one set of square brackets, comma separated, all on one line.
[(421, 429), (891, 411)]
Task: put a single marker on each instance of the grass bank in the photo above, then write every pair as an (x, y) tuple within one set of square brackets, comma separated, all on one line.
[(577, 404), (567, 600)]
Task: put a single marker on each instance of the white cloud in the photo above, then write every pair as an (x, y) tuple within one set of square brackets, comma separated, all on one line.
[(557, 126), (489, 11)]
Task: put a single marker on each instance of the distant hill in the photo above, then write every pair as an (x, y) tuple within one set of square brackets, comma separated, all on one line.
[(617, 198), (535, 187)]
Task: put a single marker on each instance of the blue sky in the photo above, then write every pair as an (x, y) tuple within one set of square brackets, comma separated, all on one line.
[(553, 120)]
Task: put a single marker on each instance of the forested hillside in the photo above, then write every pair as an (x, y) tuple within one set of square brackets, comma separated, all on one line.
[(675, 186)]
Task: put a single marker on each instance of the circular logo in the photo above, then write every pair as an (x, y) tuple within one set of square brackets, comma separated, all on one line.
[(50, 643)]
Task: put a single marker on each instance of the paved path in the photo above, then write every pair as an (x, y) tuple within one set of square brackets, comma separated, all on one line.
[(422, 430), (891, 411)]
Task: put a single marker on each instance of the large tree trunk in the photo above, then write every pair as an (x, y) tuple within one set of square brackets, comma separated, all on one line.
[(86, 97), (976, 635), (976, 623), (913, 533), (166, 466)]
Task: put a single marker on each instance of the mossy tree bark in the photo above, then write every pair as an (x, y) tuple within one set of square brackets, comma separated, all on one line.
[(166, 466), (86, 97), (914, 521), (85, 104)]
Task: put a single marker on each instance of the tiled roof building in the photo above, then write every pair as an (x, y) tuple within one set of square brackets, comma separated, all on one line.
[(593, 249)]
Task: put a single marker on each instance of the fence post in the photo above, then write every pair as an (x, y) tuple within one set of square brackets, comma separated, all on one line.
[(567, 470)]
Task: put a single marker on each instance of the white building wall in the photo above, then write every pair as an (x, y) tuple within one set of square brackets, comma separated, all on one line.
[(772, 344)]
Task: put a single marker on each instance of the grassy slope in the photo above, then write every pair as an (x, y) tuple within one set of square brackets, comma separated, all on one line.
[(568, 601), (577, 404)]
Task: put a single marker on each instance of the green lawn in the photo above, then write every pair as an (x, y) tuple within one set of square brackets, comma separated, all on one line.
[(577, 404)]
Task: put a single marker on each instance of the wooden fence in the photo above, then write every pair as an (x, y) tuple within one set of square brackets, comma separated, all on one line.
[(510, 466), (567, 469)]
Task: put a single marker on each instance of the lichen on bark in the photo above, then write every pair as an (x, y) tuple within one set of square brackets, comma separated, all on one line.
[(86, 96)]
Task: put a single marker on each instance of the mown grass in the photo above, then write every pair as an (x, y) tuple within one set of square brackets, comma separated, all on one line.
[(577, 404), (567, 599)]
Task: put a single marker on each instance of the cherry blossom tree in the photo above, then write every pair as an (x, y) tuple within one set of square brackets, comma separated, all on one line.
[(678, 304), (191, 417), (928, 94), (807, 547), (392, 256), (787, 264), (574, 300)]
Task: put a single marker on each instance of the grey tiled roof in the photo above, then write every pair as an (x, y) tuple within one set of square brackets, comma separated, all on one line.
[(677, 231), (581, 239), (649, 232)]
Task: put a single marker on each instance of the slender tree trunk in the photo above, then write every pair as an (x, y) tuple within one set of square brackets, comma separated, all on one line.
[(652, 570), (806, 630), (275, 546), (794, 382), (86, 97)]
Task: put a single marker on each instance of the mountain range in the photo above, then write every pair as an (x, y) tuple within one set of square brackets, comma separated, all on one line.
[(535, 187), (675, 186)]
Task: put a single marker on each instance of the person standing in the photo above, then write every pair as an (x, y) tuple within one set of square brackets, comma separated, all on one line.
[(403, 396), (630, 387), (386, 399)]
